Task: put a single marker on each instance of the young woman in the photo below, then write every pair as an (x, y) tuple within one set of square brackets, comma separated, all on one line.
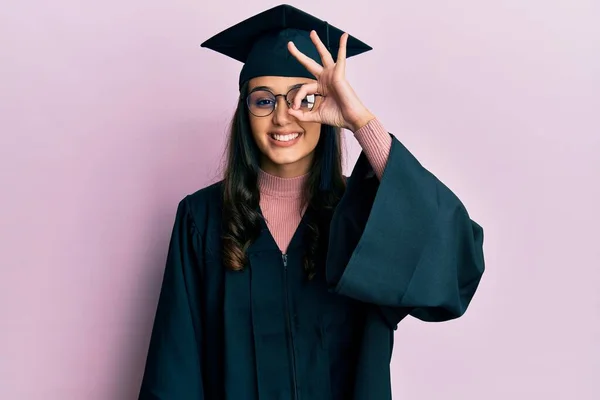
[(285, 280)]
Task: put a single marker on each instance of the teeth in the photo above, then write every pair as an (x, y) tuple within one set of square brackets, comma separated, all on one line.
[(285, 138)]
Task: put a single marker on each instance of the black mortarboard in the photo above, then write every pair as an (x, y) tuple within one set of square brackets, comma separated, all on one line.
[(260, 42)]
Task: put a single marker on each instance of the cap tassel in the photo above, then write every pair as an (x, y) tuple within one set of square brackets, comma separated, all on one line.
[(328, 159), (327, 35)]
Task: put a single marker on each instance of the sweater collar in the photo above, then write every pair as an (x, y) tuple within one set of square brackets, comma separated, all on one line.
[(281, 187)]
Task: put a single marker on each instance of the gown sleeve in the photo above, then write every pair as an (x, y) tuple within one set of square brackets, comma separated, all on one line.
[(405, 243), (173, 366)]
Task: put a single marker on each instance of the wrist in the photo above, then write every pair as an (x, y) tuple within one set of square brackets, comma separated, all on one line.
[(361, 121)]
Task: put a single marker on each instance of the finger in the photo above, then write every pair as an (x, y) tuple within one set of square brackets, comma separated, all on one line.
[(311, 65), (306, 89), (341, 57), (326, 57)]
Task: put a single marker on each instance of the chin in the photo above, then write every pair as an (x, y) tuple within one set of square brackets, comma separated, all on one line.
[(286, 160)]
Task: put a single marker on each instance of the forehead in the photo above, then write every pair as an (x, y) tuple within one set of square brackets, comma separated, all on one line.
[(277, 83)]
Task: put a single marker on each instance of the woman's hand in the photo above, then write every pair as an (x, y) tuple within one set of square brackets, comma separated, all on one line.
[(339, 106)]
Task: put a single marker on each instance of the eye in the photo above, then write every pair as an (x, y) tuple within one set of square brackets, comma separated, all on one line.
[(261, 99), (264, 102)]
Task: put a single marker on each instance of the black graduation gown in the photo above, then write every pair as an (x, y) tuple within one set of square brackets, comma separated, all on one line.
[(402, 246)]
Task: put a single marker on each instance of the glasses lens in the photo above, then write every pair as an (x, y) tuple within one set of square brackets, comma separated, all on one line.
[(307, 103), (261, 102)]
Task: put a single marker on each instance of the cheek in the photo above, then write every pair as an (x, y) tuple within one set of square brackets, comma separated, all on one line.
[(313, 133), (259, 128)]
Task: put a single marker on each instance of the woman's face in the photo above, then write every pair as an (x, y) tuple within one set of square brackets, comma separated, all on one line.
[(287, 145)]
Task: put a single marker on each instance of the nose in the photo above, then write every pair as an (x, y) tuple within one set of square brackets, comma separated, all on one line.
[(280, 114)]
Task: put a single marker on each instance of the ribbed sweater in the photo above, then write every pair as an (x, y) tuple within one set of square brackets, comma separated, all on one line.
[(281, 198)]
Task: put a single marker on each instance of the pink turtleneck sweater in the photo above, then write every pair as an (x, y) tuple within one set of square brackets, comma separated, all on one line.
[(280, 198)]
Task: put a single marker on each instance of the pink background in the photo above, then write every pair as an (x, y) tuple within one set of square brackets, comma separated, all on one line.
[(110, 113)]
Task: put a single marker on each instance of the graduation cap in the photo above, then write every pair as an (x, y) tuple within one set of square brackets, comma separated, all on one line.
[(260, 42)]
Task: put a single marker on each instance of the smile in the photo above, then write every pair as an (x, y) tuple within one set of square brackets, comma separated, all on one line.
[(287, 140)]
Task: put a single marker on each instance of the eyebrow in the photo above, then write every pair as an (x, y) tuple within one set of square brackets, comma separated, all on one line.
[(272, 90)]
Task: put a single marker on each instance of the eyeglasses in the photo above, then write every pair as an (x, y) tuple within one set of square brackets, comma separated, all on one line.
[(262, 102)]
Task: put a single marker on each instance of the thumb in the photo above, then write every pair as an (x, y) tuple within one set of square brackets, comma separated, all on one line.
[(304, 116)]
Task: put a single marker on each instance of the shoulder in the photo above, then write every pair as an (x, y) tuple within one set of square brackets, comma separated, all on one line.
[(204, 206), (207, 195)]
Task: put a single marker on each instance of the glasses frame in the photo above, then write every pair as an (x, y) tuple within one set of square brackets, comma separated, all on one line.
[(289, 104)]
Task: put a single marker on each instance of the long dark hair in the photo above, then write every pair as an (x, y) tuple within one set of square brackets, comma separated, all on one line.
[(241, 217)]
